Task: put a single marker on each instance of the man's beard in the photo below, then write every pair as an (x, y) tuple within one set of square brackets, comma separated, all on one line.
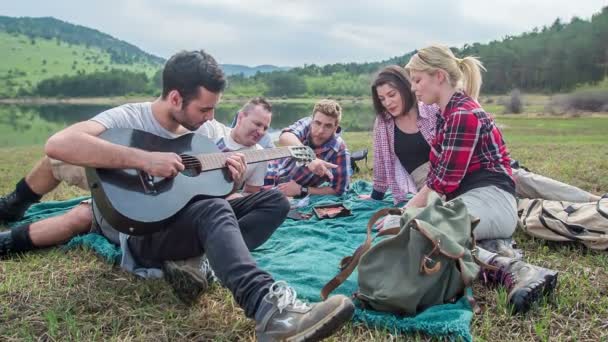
[(314, 143), (189, 127), (183, 123)]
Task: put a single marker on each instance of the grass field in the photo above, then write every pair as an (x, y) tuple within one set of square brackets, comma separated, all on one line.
[(53, 295), (25, 62)]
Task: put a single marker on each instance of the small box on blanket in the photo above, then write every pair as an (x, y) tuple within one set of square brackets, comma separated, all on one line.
[(331, 211)]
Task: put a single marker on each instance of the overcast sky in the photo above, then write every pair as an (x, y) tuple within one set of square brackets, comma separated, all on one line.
[(292, 33)]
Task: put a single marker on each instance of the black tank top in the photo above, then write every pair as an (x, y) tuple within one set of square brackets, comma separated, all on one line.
[(411, 149)]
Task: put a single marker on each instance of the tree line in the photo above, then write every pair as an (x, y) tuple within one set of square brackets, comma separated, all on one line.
[(112, 83)]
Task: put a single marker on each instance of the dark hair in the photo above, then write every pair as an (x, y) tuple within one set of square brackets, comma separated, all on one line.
[(186, 71), (394, 76), (257, 101)]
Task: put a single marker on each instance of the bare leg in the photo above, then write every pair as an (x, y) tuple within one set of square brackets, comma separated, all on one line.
[(59, 229), (41, 179)]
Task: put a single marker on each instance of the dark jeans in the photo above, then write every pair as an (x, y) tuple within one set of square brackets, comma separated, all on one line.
[(225, 231)]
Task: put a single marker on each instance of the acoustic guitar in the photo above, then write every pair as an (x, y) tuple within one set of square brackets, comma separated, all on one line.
[(136, 203)]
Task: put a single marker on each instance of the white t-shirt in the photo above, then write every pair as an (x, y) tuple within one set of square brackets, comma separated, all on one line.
[(135, 116), (220, 134)]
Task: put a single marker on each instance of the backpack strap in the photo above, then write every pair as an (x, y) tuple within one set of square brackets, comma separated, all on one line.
[(599, 209), (348, 264)]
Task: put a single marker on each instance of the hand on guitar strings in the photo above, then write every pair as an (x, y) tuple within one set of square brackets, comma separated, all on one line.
[(163, 164), (237, 166), (321, 168)]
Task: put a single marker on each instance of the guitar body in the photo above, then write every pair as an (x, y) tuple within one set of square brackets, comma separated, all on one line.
[(136, 207)]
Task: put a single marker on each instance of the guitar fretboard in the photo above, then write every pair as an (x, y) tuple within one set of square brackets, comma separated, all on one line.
[(213, 161)]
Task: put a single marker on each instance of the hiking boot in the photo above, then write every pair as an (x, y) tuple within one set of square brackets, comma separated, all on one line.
[(16, 240), (12, 208), (187, 278), (289, 319), (526, 283), (502, 247)]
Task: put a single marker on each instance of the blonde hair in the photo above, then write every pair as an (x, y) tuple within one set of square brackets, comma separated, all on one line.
[(330, 108), (462, 73)]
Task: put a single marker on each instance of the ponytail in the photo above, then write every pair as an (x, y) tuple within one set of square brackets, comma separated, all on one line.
[(471, 75)]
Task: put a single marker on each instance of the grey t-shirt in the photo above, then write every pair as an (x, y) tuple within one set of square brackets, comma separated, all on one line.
[(136, 116)]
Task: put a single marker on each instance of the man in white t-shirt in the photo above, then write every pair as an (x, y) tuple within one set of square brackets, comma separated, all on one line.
[(223, 231), (252, 123)]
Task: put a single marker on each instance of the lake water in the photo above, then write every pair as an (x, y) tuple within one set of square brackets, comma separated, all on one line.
[(22, 125)]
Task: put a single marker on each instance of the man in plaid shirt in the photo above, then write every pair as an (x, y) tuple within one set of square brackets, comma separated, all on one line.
[(321, 133)]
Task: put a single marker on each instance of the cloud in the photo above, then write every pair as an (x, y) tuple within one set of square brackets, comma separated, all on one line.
[(286, 11), (296, 32)]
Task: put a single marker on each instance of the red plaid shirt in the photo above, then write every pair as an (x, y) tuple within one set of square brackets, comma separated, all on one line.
[(467, 140)]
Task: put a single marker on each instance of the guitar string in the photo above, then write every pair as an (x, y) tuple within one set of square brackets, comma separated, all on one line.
[(193, 162)]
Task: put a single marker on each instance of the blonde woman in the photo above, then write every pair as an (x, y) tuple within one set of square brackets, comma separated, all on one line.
[(469, 160)]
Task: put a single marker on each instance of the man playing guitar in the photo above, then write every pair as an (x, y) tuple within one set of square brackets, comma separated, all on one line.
[(222, 230)]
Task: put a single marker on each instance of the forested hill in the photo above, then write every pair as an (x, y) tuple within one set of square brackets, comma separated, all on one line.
[(120, 51), (551, 58), (235, 69), (50, 57)]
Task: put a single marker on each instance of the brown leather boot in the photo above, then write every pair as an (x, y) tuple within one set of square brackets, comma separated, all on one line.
[(526, 283)]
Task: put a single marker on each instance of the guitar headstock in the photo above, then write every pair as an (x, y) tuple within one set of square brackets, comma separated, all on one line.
[(302, 154)]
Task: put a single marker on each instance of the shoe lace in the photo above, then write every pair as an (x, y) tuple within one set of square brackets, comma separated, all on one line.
[(500, 276), (208, 271), (286, 296)]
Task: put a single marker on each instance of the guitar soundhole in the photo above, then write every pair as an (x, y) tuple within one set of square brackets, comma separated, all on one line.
[(192, 165)]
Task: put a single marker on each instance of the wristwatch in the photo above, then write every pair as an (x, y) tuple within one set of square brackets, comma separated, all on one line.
[(303, 191)]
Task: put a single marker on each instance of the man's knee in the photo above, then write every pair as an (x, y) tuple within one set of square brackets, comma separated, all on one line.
[(80, 218), (71, 174), (211, 206), (279, 201)]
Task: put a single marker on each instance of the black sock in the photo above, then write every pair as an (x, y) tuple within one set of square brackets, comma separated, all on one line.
[(25, 193), (21, 238)]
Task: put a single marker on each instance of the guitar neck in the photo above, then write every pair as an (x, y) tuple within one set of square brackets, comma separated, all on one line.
[(213, 161)]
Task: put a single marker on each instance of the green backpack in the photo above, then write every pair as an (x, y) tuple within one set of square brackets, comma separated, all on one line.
[(428, 260)]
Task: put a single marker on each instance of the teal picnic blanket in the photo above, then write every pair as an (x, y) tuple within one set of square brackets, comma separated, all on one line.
[(306, 254)]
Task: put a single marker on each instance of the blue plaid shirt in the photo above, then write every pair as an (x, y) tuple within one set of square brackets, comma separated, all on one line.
[(333, 151)]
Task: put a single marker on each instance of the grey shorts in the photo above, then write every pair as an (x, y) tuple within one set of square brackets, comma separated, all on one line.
[(420, 174), (102, 227), (71, 174)]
